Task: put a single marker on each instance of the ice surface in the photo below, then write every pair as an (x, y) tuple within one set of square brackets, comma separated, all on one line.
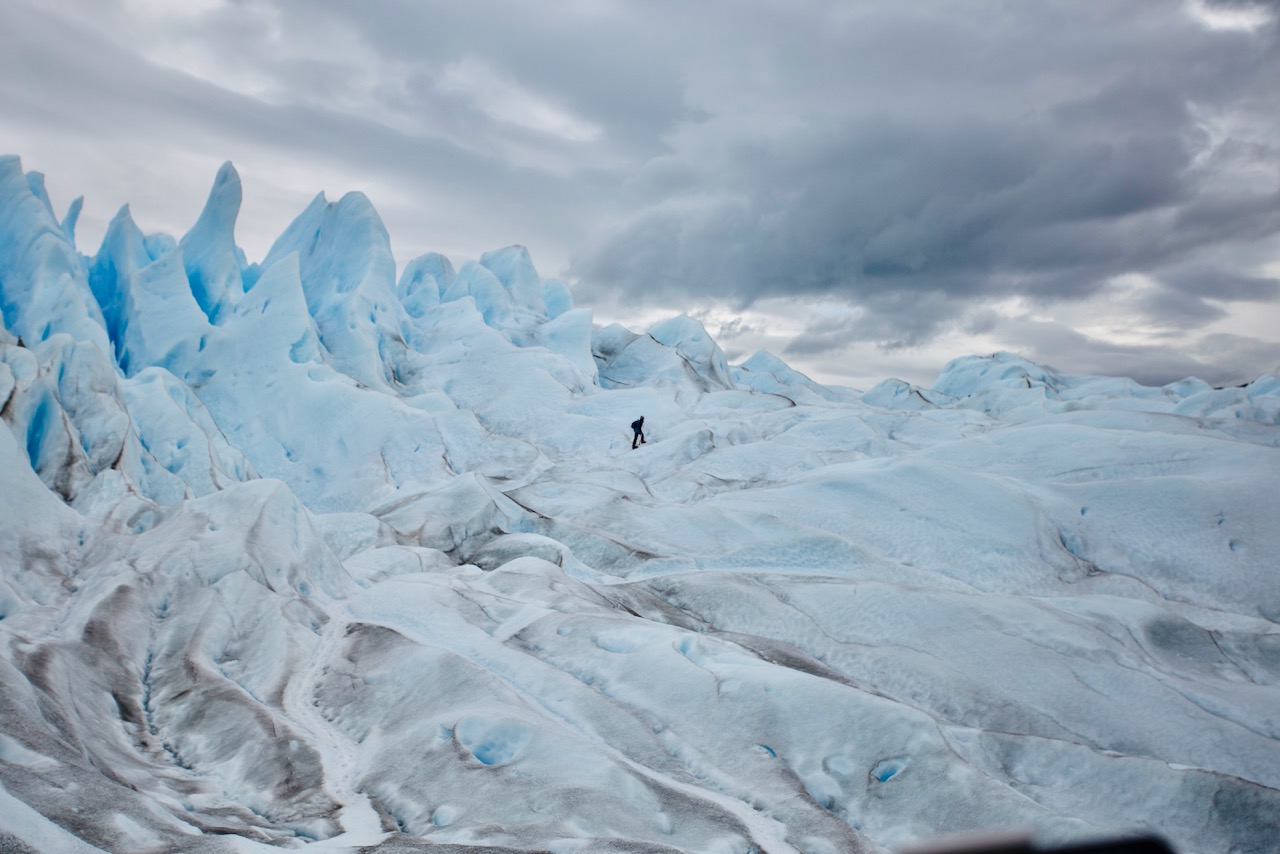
[(348, 278), (43, 288), (301, 555), (514, 269), (214, 266), (423, 281)]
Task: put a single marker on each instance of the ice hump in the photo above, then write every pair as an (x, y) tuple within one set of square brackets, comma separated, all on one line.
[(319, 553)]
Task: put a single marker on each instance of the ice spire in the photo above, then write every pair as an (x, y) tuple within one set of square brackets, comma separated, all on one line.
[(213, 263)]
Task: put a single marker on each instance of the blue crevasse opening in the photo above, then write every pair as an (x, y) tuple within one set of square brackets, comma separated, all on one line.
[(490, 753), (887, 769), (36, 430)]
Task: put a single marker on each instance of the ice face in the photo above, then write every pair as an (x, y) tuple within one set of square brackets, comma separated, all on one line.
[(514, 269), (211, 260), (347, 275), (294, 554), (43, 287)]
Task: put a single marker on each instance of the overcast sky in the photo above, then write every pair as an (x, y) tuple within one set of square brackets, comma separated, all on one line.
[(867, 189)]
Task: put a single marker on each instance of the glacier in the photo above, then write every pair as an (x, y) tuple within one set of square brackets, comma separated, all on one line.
[(319, 553)]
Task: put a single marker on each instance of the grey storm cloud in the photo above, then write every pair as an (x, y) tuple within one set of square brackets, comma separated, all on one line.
[(1171, 308), (1244, 4), (81, 70), (1088, 152), (1214, 358), (1051, 208), (1224, 285)]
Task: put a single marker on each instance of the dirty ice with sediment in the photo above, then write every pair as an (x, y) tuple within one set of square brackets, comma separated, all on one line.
[(317, 554)]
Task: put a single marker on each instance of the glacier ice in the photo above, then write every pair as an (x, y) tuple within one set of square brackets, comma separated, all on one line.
[(301, 554), (44, 290)]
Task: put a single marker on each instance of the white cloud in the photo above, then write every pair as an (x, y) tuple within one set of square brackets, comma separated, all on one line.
[(507, 101), (173, 9), (1246, 17)]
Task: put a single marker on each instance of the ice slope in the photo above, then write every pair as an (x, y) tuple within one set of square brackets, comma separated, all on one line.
[(299, 554)]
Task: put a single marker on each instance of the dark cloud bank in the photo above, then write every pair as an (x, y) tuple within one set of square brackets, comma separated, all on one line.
[(1041, 155)]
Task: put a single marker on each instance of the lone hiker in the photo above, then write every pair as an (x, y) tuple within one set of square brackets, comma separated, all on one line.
[(638, 427)]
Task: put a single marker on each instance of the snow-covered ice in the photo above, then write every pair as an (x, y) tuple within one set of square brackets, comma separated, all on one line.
[(299, 554)]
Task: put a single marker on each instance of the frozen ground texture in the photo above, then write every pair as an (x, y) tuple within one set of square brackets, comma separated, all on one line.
[(301, 555)]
